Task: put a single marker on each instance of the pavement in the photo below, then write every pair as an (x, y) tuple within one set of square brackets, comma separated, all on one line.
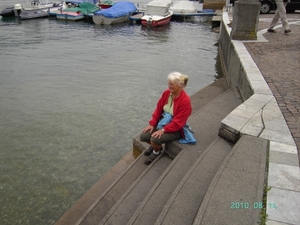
[(275, 57), (279, 63)]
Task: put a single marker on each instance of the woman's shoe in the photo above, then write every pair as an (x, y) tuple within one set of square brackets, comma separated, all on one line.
[(287, 31), (151, 158), (271, 31), (148, 151)]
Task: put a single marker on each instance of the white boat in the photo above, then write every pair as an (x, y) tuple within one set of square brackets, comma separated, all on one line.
[(157, 13), (118, 13), (186, 8), (183, 7), (77, 12)]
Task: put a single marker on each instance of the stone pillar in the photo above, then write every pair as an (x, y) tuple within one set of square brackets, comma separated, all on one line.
[(245, 20)]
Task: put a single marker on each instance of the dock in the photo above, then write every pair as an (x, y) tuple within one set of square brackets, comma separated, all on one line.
[(217, 18)]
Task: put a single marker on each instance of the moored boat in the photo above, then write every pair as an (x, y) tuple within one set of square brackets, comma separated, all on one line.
[(183, 8), (13, 11), (74, 16), (136, 17), (105, 4), (81, 11), (35, 6), (157, 13), (118, 13), (34, 14)]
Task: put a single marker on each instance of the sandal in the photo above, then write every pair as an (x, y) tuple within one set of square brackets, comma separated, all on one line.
[(271, 31)]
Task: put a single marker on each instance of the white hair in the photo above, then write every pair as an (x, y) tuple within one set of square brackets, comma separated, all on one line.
[(179, 78)]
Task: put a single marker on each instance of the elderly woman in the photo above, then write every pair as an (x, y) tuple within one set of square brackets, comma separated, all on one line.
[(176, 102)]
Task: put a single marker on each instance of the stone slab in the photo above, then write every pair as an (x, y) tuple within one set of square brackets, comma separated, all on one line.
[(237, 186), (287, 206), (284, 177)]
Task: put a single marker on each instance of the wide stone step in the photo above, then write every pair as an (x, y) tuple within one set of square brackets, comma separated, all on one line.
[(205, 123), (182, 206), (111, 195), (236, 193), (130, 200)]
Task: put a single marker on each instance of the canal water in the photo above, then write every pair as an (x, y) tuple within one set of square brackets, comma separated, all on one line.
[(72, 97)]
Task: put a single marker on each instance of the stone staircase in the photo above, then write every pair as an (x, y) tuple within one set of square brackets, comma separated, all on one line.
[(189, 184)]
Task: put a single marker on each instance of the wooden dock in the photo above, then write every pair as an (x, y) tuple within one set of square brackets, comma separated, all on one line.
[(216, 20)]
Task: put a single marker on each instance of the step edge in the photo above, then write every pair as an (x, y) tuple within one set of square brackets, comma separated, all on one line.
[(205, 203), (113, 184), (131, 187), (169, 203), (153, 189)]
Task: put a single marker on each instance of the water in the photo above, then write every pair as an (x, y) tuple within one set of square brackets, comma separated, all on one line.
[(72, 97)]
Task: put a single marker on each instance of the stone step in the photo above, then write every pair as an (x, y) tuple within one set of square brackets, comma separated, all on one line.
[(101, 205), (182, 206), (205, 124), (130, 200), (236, 192)]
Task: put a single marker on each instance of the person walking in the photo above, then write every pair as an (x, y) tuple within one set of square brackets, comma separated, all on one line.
[(280, 14), (175, 102)]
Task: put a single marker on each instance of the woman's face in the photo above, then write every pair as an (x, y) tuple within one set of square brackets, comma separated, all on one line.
[(174, 87)]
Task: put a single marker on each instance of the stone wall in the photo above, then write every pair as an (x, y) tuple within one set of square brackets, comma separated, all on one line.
[(232, 66)]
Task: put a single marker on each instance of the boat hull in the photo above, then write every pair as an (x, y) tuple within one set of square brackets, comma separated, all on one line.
[(105, 6), (33, 14), (30, 12), (100, 19), (10, 12), (154, 21), (73, 16)]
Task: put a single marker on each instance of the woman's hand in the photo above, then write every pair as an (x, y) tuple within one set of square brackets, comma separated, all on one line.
[(150, 128), (157, 134)]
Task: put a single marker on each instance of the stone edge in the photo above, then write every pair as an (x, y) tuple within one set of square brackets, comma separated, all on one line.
[(256, 117)]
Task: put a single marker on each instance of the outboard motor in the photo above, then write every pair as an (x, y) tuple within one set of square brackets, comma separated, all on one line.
[(17, 9)]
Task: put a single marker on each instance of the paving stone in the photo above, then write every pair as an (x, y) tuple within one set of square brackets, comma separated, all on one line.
[(284, 177), (287, 206), (280, 147)]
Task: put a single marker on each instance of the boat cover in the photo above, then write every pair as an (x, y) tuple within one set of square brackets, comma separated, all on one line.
[(85, 8), (118, 9), (158, 7), (183, 7)]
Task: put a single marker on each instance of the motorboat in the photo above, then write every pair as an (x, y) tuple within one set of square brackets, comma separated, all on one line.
[(74, 16), (157, 13), (79, 12), (136, 17), (33, 14), (118, 13), (13, 11), (105, 4), (38, 8), (183, 8)]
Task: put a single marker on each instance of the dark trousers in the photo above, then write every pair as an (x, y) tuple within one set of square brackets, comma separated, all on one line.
[(166, 137)]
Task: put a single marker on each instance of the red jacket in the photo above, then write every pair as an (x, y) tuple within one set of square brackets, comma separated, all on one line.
[(182, 109)]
